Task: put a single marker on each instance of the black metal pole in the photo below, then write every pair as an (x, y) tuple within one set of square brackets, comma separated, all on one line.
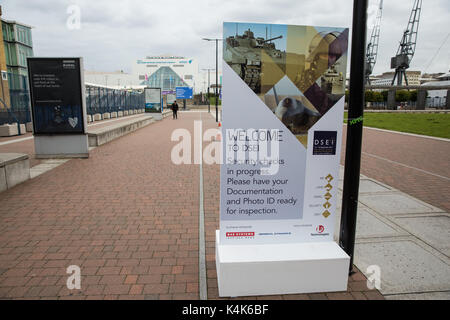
[(209, 104), (217, 71), (354, 130)]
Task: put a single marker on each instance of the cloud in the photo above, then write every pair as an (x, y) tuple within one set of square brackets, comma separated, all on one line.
[(115, 33)]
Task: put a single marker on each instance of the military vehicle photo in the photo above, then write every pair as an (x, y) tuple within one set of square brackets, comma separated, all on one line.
[(297, 71)]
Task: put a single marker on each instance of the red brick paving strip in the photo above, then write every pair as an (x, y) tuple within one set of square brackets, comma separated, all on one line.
[(422, 153), (27, 146), (127, 216)]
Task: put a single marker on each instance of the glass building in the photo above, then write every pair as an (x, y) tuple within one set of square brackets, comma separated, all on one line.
[(166, 72), (164, 78), (18, 46)]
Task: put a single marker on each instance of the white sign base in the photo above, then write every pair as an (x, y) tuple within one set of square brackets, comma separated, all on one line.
[(285, 268), (61, 146)]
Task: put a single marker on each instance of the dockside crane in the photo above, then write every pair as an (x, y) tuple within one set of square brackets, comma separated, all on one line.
[(407, 45), (372, 46)]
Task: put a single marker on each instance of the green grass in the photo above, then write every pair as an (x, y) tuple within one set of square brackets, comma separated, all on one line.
[(212, 101), (429, 124)]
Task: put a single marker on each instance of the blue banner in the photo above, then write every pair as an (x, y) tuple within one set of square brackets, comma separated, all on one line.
[(184, 93)]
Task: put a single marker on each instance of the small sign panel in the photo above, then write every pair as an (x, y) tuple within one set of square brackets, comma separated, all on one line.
[(184, 93), (152, 100), (324, 143), (57, 95)]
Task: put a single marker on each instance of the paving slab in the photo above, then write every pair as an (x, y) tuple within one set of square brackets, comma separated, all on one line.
[(405, 266), (371, 225), (434, 230), (368, 186), (421, 296), (396, 203)]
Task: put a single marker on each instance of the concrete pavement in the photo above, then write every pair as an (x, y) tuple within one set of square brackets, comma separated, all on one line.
[(407, 238)]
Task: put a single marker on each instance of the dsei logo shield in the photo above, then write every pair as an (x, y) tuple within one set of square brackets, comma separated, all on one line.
[(324, 143)]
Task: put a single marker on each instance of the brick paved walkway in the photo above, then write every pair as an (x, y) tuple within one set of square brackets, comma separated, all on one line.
[(27, 146), (127, 216), (390, 158)]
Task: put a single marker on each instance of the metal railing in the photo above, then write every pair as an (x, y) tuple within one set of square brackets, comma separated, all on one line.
[(16, 107), (102, 100), (425, 97), (99, 99)]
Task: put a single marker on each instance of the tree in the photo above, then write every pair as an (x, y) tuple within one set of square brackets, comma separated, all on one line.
[(368, 96), (377, 96), (402, 95), (413, 95)]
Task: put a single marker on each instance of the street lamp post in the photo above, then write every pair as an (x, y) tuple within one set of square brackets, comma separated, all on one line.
[(209, 105), (217, 76), (354, 131)]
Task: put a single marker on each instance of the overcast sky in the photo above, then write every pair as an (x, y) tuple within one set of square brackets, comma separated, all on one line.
[(113, 34)]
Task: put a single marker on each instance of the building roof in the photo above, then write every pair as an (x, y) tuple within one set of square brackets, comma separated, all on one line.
[(445, 75), (17, 22), (437, 83), (165, 56), (104, 72)]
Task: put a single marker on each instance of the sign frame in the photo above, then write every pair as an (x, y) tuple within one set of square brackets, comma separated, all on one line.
[(81, 95), (188, 92), (160, 98), (305, 110)]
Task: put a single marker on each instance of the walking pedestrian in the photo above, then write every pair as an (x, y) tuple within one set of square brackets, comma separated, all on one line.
[(175, 109)]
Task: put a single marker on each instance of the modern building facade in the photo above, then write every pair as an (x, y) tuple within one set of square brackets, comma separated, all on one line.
[(4, 87), (18, 45), (385, 79), (167, 72)]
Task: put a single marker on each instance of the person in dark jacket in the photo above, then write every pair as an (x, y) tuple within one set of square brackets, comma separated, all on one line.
[(175, 109)]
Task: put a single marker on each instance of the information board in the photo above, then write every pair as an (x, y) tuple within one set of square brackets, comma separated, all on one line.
[(183, 92), (282, 131), (152, 99), (57, 95)]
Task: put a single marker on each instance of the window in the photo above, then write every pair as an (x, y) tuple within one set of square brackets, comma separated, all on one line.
[(164, 78)]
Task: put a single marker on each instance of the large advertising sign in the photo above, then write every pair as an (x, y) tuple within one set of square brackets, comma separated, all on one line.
[(57, 92), (183, 92), (152, 99), (283, 106)]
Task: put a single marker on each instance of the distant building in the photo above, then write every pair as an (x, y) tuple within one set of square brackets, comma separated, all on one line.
[(444, 77), (440, 80), (385, 79), (116, 79), (167, 72), (4, 86), (429, 77), (18, 45)]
